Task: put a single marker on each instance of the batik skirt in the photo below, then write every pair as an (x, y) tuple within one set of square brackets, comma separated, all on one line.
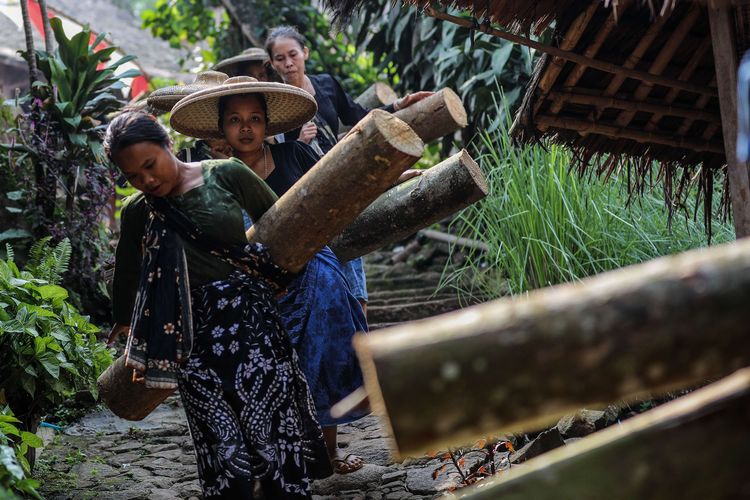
[(321, 315), (248, 405)]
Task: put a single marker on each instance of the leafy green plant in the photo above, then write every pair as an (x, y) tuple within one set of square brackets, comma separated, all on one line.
[(430, 54), (15, 470), (57, 159), (544, 225), (48, 351)]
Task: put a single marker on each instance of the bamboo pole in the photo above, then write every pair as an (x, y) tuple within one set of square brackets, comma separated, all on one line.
[(347, 179), (587, 127), (436, 116), (569, 42), (665, 55), (577, 72), (698, 441), (403, 210), (700, 103), (454, 240), (635, 106), (624, 71), (725, 59), (684, 75), (517, 364)]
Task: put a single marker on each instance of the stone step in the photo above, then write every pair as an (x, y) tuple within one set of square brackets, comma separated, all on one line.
[(411, 311), (415, 280), (403, 292), (397, 301)]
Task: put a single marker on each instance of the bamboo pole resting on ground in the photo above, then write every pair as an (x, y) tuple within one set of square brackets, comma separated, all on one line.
[(698, 441), (518, 364), (403, 210), (347, 179)]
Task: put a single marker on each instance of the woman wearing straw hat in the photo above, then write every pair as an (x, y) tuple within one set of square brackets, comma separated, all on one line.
[(252, 62), (197, 302), (163, 100), (319, 311), (288, 51)]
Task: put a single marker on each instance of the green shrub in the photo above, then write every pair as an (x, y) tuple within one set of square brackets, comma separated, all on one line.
[(545, 225), (48, 351), (14, 468)]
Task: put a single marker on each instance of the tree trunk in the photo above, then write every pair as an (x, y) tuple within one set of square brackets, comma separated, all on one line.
[(519, 363), (245, 16), (125, 398), (347, 179), (49, 37), (439, 115), (27, 30), (405, 209), (691, 448)]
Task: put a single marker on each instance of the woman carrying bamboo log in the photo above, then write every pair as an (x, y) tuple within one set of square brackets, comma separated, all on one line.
[(319, 311), (288, 51), (197, 302)]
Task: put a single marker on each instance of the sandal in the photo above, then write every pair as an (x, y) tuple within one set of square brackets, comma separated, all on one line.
[(348, 463)]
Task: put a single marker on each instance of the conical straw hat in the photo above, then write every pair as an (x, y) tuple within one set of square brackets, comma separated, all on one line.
[(230, 64), (288, 107), (165, 98)]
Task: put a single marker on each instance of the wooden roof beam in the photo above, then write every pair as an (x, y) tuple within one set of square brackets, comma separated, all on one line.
[(684, 75), (628, 105), (666, 53), (588, 127), (572, 36), (591, 51)]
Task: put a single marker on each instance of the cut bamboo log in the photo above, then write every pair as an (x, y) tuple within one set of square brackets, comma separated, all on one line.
[(403, 210), (699, 441), (518, 364), (436, 116), (125, 398), (345, 181), (378, 94)]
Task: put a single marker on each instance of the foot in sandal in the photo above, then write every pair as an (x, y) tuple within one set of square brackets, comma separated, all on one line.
[(346, 463)]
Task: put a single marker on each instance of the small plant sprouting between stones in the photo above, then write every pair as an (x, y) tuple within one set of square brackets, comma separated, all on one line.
[(494, 456)]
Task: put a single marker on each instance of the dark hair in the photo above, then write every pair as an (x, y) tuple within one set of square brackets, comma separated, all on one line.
[(283, 32), (225, 98), (132, 127)]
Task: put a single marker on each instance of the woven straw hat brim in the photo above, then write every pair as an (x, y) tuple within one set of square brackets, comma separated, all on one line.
[(165, 98), (288, 108), (232, 62)]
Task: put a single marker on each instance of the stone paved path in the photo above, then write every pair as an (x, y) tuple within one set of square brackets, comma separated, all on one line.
[(104, 457)]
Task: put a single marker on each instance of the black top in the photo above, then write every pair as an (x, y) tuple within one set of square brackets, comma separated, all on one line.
[(334, 104), (293, 160)]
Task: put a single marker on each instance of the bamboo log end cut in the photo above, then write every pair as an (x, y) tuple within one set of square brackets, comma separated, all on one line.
[(385, 93), (472, 167), (397, 134), (455, 107)]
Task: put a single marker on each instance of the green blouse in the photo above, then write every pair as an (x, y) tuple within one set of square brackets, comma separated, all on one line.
[(215, 207)]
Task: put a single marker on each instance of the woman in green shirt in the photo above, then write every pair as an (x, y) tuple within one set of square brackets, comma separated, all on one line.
[(197, 302)]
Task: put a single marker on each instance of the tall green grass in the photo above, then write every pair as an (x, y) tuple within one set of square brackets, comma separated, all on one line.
[(545, 225)]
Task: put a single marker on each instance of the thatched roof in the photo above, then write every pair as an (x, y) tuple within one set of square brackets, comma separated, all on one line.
[(608, 116)]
